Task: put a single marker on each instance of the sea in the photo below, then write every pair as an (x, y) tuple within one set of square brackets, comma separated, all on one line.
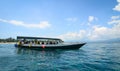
[(90, 57)]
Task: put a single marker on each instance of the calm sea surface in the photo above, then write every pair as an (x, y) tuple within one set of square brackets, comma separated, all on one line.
[(91, 57)]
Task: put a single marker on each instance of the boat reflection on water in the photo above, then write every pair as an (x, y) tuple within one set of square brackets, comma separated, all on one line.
[(42, 55), (39, 53)]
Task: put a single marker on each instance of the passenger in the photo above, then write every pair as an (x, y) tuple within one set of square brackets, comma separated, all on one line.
[(53, 42), (19, 43), (30, 44), (38, 42), (50, 42), (22, 42), (42, 42)]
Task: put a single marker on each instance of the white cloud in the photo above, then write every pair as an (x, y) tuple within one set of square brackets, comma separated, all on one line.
[(102, 33), (115, 17), (93, 34), (96, 32), (74, 19), (41, 25), (73, 35), (117, 7), (114, 20), (91, 19)]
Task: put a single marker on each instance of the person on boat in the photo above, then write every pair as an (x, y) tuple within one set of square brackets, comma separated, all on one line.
[(20, 42)]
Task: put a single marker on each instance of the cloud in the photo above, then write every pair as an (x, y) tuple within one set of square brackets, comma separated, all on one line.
[(115, 17), (73, 35), (91, 19), (74, 19), (102, 32), (41, 25), (117, 7), (114, 20), (96, 32)]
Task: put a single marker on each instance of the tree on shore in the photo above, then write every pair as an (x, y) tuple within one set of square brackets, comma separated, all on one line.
[(10, 39)]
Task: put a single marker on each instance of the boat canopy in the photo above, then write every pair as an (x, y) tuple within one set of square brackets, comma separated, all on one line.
[(25, 37)]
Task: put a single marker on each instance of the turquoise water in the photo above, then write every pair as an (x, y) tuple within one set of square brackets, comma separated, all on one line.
[(91, 57)]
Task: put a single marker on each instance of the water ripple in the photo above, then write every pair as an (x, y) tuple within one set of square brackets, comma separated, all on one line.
[(91, 57)]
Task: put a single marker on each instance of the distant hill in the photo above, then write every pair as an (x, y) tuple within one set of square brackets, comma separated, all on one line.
[(113, 40), (7, 40), (108, 41)]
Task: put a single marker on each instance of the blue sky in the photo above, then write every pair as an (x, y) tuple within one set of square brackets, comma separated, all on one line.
[(65, 19)]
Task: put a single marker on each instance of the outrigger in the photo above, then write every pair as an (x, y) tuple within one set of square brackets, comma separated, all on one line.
[(45, 43)]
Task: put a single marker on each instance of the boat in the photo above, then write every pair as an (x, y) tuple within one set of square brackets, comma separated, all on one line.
[(45, 43)]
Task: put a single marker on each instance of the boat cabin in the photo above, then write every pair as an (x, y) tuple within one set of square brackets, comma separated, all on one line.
[(38, 40)]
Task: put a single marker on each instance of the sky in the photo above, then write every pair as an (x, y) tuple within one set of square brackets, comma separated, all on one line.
[(80, 20)]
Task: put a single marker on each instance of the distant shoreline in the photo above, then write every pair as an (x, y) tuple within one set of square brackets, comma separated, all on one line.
[(7, 42)]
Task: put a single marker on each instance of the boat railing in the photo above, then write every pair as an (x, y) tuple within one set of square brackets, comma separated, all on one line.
[(38, 43)]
